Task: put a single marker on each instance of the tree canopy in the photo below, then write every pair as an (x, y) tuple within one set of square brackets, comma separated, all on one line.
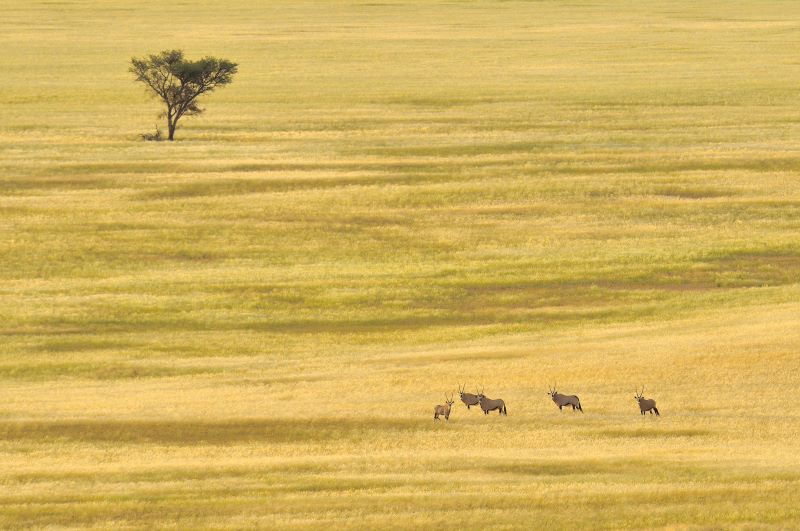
[(179, 82)]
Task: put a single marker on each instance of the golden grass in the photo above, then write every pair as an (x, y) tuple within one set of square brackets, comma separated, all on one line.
[(250, 327)]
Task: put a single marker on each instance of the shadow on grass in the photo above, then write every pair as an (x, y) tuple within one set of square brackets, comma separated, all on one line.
[(583, 467), (96, 371), (641, 433), (191, 432)]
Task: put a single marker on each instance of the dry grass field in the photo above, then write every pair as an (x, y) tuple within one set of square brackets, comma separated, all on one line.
[(249, 327)]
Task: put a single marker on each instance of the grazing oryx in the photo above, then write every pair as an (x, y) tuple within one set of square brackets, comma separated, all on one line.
[(444, 410), (565, 400), (646, 404), (468, 398), (487, 404)]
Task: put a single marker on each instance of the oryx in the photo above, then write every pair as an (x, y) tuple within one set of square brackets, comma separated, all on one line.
[(646, 404), (444, 410), (487, 404), (565, 400), (467, 398)]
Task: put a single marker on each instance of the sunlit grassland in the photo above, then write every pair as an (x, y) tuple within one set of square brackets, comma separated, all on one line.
[(250, 326)]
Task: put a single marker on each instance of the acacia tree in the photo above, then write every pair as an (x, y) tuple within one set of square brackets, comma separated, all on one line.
[(179, 82)]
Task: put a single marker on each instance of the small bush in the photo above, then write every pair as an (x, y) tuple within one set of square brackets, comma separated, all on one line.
[(156, 137)]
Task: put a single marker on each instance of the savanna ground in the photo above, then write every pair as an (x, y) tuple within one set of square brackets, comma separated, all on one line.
[(251, 326)]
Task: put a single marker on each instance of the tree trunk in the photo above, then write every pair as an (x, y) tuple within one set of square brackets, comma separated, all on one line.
[(171, 126)]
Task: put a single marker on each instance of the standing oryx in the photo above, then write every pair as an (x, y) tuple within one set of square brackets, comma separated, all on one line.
[(646, 404), (444, 410), (468, 398), (487, 404), (565, 400)]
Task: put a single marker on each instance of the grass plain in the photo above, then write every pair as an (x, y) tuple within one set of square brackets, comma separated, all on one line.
[(249, 327)]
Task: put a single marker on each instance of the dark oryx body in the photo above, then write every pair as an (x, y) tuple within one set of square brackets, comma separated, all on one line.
[(565, 400), (444, 410), (487, 404), (646, 404), (468, 398)]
